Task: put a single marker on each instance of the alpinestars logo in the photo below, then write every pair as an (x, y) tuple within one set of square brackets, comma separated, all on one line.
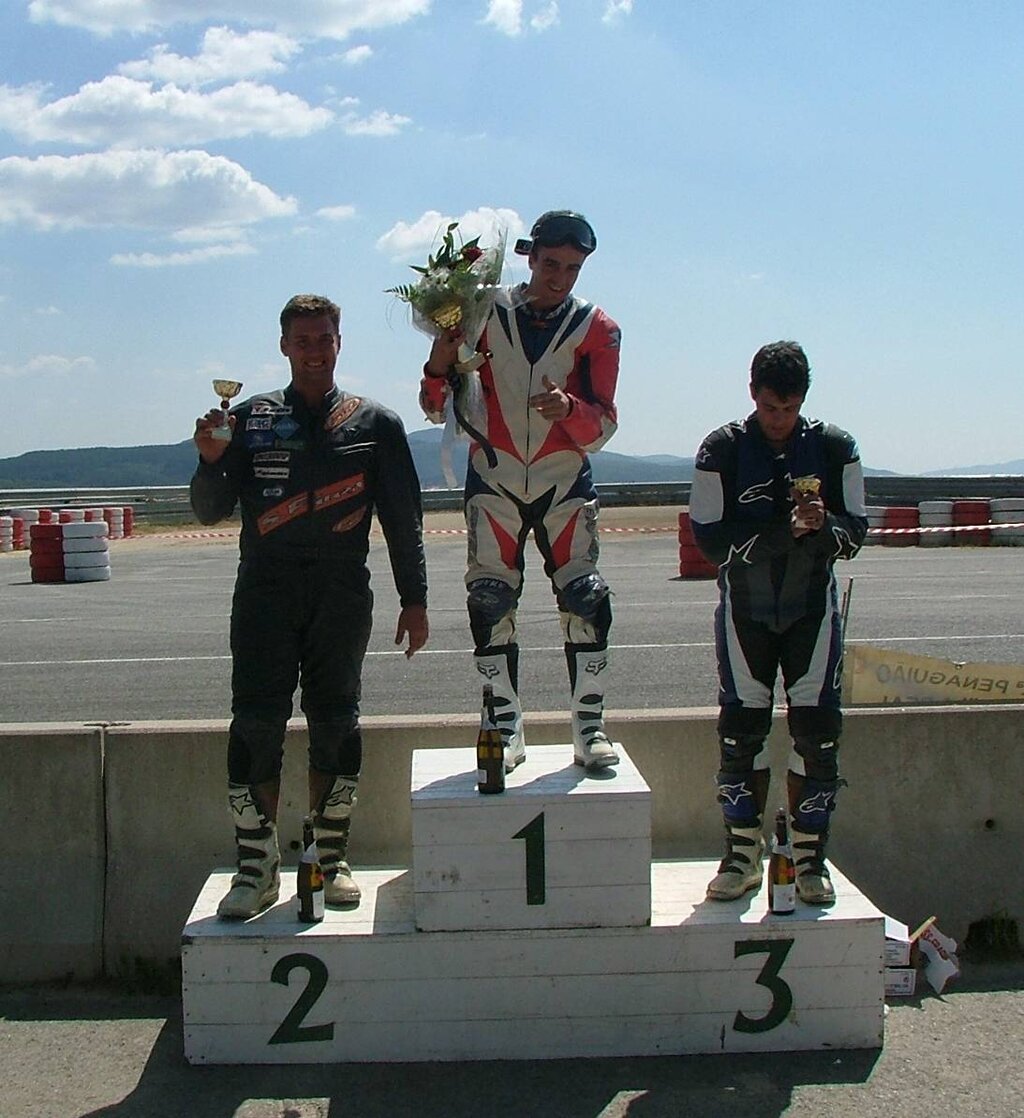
[(759, 492), (817, 803), (733, 793), (240, 801)]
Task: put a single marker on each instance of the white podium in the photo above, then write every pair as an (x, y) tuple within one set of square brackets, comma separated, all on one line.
[(675, 974)]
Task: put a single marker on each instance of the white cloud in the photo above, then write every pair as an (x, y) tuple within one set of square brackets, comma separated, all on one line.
[(378, 123), (134, 189), (506, 16), (124, 112), (357, 55), (225, 55), (49, 364), (616, 9), (315, 19), (176, 259), (48, 312), (336, 213), (545, 18), (404, 240)]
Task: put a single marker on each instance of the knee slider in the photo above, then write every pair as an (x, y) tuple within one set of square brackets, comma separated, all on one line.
[(489, 599), (336, 744), (739, 751), (585, 596), (820, 759)]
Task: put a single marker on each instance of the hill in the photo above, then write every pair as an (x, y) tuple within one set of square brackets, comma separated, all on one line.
[(117, 467)]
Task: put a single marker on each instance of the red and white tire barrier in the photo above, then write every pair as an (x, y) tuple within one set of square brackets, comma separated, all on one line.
[(935, 514), (72, 551), (692, 563), (6, 533)]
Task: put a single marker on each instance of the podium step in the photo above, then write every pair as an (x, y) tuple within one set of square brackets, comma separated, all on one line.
[(366, 985), (559, 848)]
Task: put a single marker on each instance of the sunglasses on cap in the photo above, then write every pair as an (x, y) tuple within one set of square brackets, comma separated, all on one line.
[(560, 227)]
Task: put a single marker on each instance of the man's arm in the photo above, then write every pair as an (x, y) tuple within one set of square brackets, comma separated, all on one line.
[(845, 524), (397, 501), (592, 417), (213, 491)]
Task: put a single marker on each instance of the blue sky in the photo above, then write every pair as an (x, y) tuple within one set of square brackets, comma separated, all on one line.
[(848, 175)]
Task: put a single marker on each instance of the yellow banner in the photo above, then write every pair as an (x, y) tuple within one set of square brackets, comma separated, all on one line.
[(880, 676)]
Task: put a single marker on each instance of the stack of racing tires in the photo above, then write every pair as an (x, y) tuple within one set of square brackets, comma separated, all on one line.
[(692, 563), (70, 551)]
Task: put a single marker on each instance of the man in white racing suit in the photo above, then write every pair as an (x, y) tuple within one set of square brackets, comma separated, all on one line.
[(549, 368)]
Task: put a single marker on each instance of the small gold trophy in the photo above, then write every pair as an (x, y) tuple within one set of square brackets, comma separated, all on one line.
[(806, 489), (227, 390)]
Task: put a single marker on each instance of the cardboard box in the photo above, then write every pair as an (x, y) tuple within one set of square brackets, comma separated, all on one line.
[(900, 982), (897, 943)]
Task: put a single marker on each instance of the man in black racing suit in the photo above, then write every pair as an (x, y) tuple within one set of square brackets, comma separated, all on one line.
[(308, 465), (776, 500)]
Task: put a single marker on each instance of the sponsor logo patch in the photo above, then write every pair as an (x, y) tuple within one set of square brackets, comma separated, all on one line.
[(341, 411), (268, 407), (339, 491), (347, 523), (258, 423), (272, 456), (282, 513), (274, 491), (271, 471), (254, 440), (285, 428)]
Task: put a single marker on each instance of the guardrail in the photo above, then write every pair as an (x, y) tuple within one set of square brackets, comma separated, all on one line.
[(170, 502)]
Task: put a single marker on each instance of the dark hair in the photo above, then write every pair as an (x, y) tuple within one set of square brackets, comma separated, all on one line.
[(781, 367), (308, 306), (556, 228)]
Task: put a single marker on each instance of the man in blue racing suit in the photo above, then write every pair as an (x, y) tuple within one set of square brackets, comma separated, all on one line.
[(776, 500), (308, 464)]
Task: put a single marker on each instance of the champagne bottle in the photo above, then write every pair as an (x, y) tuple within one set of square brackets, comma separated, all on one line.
[(310, 878), (490, 752), (781, 869)]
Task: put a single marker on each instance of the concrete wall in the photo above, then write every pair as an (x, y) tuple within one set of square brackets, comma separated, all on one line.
[(109, 835)]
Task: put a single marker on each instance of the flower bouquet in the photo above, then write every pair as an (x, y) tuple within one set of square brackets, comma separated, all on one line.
[(455, 292), (456, 289)]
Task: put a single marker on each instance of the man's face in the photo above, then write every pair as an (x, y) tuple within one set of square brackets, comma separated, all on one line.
[(776, 415), (312, 346), (553, 271)]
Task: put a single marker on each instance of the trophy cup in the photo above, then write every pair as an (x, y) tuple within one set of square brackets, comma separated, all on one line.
[(227, 390)]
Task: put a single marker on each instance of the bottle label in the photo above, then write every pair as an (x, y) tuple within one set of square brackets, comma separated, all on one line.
[(318, 904), (782, 898)]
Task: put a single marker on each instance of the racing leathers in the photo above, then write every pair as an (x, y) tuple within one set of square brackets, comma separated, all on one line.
[(528, 473), (308, 481), (777, 607)]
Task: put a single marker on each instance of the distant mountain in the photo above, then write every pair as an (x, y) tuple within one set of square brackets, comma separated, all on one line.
[(1016, 468), (102, 467), (122, 467)]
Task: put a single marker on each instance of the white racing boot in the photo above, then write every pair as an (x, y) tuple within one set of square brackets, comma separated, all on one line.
[(499, 667), (257, 883), (591, 746), (813, 884), (331, 823), (740, 870)]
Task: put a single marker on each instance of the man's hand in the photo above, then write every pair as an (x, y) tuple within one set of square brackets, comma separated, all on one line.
[(808, 513), (210, 449), (412, 623), (444, 352), (552, 403)]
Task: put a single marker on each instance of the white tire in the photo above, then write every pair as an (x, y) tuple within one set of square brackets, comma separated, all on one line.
[(75, 545), (80, 559), (87, 574), (76, 529)]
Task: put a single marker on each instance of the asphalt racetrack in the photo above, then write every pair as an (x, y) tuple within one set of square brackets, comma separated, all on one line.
[(152, 643)]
